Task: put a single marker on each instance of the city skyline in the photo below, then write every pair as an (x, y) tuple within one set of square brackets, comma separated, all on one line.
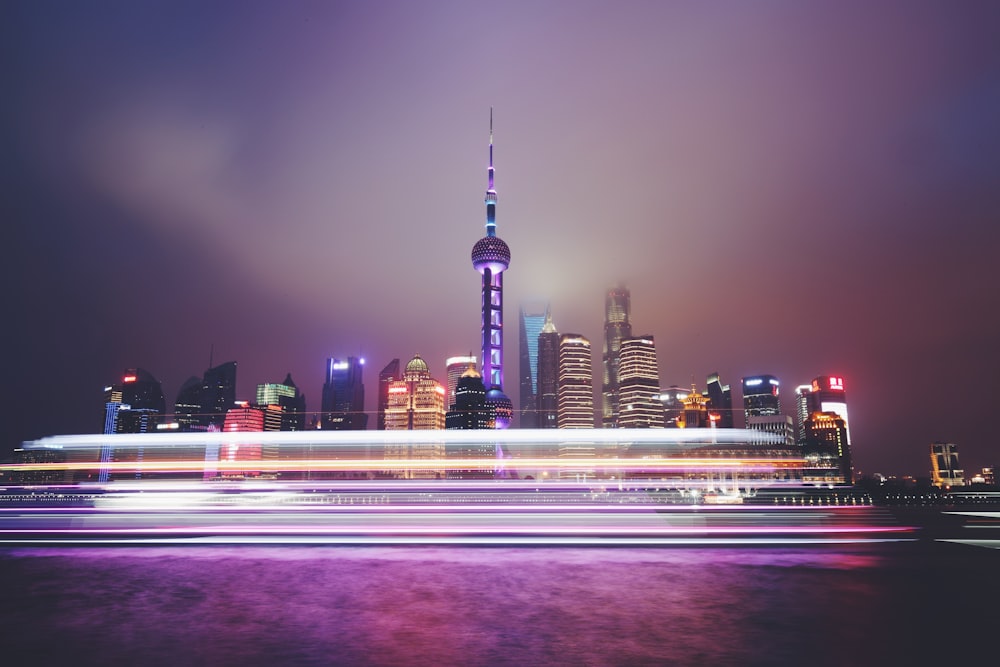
[(798, 208)]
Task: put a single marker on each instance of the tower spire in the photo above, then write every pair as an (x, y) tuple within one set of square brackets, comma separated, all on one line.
[(491, 193)]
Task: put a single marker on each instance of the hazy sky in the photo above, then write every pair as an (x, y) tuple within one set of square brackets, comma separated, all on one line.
[(795, 188)]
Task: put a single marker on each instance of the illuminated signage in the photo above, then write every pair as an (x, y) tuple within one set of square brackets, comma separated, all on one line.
[(773, 381), (340, 365), (128, 378), (837, 383), (397, 390), (754, 382)]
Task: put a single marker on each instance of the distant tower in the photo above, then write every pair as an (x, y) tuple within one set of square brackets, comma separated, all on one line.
[(491, 257), (576, 388), (218, 393), (284, 405), (135, 404), (343, 401), (454, 369), (639, 384), (386, 377), (548, 375), (617, 304), (532, 320)]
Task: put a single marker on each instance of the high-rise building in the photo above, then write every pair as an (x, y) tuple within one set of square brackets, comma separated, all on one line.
[(454, 369), (801, 412), (135, 404), (491, 257), (694, 413), (945, 469), (617, 305), (720, 400), (672, 400), (531, 322), (638, 384), (469, 412), (343, 400), (417, 401), (218, 394), (827, 394), (761, 396), (284, 404), (548, 375), (187, 407), (386, 377), (575, 384), (827, 449), (243, 418)]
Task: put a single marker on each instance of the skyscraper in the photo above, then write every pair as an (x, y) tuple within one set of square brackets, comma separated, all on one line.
[(760, 396), (417, 401), (617, 305), (575, 388), (827, 394), (548, 375), (386, 377), (135, 404), (639, 384), (454, 369), (469, 411), (284, 404), (218, 394), (720, 399), (343, 401), (532, 320), (826, 449), (187, 407), (491, 257)]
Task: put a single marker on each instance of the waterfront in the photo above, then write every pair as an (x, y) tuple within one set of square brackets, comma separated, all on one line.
[(866, 603)]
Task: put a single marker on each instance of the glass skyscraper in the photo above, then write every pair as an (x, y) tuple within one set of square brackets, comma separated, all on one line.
[(617, 306), (532, 319)]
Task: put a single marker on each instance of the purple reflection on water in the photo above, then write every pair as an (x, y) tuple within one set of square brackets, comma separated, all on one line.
[(443, 605)]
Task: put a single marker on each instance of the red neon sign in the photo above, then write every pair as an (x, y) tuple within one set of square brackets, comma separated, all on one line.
[(128, 378)]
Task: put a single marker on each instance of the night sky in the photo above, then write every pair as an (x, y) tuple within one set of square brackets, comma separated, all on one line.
[(794, 188)]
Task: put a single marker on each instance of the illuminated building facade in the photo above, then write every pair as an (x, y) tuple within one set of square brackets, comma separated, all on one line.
[(416, 402), (454, 369), (343, 399), (827, 450), (548, 375), (638, 384), (284, 404), (945, 469), (827, 394), (617, 305), (135, 404), (242, 419), (694, 411), (386, 377), (780, 426), (720, 400), (531, 320), (761, 396), (575, 391), (801, 412), (491, 257)]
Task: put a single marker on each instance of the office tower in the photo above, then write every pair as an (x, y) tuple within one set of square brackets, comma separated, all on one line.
[(827, 394), (343, 400), (243, 418), (187, 407), (135, 404), (469, 412), (617, 304), (491, 257), (575, 392), (760, 396), (218, 394), (454, 369), (548, 375), (780, 430), (672, 400), (827, 449), (694, 411), (417, 401), (801, 412), (945, 470), (532, 319), (284, 405), (638, 384), (720, 400), (386, 377)]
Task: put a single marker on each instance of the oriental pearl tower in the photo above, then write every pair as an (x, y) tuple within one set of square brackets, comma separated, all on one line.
[(491, 257)]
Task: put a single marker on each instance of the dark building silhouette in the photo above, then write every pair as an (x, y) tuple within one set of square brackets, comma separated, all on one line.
[(617, 305), (548, 375), (343, 401), (135, 404), (386, 377), (720, 401), (469, 411), (218, 394), (187, 407)]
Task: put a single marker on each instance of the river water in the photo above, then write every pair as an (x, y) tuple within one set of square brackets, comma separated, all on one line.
[(867, 604)]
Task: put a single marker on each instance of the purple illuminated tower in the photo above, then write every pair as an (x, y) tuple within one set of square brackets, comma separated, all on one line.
[(491, 257)]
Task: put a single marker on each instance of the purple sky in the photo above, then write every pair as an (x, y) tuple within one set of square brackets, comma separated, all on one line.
[(787, 188)]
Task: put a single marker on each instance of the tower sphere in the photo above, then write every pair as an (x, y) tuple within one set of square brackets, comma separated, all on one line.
[(490, 252)]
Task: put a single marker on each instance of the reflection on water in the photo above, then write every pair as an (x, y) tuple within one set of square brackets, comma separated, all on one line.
[(438, 605)]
